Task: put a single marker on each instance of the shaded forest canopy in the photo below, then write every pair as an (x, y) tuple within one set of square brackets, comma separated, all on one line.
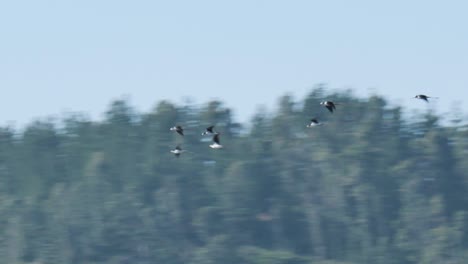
[(366, 187)]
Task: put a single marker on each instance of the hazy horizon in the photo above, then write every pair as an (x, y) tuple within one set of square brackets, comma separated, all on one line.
[(68, 56)]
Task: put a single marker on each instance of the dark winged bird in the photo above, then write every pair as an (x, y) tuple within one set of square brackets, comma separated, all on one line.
[(314, 122), (423, 97), (177, 151), (216, 143), (208, 131), (178, 129), (329, 105)]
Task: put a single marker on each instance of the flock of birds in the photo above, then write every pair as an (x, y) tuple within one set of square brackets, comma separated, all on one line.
[(331, 106), (209, 131)]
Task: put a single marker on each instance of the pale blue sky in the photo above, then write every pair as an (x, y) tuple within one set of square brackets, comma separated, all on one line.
[(64, 55)]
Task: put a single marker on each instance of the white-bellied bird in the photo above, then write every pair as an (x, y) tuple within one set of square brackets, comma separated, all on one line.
[(178, 129), (216, 143), (177, 151), (208, 131), (329, 105), (314, 122)]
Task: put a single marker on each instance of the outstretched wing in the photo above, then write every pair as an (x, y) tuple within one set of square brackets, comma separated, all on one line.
[(180, 130), (330, 108), (210, 129), (216, 138)]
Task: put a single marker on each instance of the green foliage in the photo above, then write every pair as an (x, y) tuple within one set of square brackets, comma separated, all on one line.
[(366, 187)]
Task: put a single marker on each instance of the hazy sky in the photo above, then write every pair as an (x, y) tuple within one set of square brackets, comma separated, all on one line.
[(63, 55)]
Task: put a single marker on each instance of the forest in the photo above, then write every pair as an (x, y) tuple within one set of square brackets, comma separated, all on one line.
[(373, 185)]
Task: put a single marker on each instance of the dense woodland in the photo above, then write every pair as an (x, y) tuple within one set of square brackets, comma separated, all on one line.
[(369, 186)]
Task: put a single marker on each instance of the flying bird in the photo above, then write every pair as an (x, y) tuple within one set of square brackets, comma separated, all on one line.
[(177, 151), (314, 122), (178, 129), (329, 105), (208, 131), (216, 143), (423, 97)]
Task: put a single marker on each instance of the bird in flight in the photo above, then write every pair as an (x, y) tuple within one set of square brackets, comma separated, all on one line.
[(178, 129), (423, 97), (208, 131), (177, 151), (329, 105), (314, 122), (216, 143)]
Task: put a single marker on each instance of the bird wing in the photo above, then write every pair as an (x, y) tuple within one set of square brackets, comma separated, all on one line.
[(180, 130), (216, 138), (330, 108), (210, 129)]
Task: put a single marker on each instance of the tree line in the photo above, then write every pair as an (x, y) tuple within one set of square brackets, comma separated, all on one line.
[(369, 186)]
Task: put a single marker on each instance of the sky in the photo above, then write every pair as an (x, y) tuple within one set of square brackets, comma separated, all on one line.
[(67, 56)]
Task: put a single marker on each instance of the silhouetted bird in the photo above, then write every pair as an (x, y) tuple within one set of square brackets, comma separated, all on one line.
[(423, 97)]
